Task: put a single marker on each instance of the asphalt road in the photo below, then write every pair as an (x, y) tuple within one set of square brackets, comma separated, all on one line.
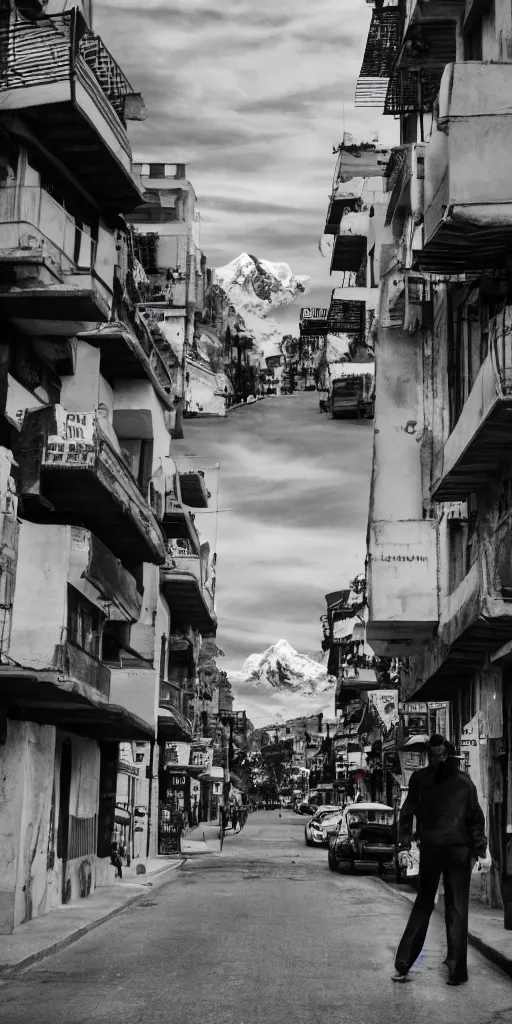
[(260, 933)]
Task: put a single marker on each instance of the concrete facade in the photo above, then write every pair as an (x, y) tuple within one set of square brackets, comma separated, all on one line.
[(441, 466)]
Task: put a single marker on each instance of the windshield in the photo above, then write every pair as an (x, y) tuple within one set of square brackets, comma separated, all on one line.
[(320, 815), (370, 818), (349, 387)]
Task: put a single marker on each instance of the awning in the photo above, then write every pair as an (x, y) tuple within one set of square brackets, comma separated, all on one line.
[(49, 698), (214, 774), (122, 816), (172, 724)]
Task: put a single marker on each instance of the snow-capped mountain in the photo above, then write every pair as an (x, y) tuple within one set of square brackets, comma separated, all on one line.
[(280, 683), (284, 669), (254, 288)]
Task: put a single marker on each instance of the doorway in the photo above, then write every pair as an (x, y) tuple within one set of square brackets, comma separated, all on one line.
[(63, 829)]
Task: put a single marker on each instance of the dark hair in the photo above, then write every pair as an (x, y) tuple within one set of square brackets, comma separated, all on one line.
[(436, 740)]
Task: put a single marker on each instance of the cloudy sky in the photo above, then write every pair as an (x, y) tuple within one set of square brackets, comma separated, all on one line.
[(251, 95), (295, 487)]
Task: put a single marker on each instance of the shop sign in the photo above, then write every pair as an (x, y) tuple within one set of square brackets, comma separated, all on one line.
[(175, 781), (414, 709)]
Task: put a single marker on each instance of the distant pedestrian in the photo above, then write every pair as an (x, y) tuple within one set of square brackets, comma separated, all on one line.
[(116, 860), (234, 817), (451, 836)]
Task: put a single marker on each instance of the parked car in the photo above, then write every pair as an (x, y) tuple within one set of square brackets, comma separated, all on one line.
[(365, 834), (322, 824), (309, 809)]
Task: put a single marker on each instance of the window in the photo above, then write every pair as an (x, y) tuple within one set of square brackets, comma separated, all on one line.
[(85, 623)]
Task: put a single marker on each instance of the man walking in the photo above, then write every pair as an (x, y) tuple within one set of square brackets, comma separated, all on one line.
[(450, 830)]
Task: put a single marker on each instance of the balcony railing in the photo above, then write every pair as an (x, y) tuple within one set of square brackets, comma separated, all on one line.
[(70, 472), (59, 73), (84, 667), (47, 51)]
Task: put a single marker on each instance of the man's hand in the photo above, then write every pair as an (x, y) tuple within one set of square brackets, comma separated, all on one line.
[(484, 864)]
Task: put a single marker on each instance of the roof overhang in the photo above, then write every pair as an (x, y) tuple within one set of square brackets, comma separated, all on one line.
[(49, 698)]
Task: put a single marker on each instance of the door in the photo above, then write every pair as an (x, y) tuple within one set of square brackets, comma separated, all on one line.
[(63, 829), (506, 818)]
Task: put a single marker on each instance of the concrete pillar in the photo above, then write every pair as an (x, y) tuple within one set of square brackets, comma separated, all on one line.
[(81, 392)]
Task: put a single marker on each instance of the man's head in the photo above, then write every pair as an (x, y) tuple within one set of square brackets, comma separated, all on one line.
[(439, 750)]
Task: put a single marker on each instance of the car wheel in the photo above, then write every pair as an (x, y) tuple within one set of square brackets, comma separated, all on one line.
[(332, 862), (309, 842)]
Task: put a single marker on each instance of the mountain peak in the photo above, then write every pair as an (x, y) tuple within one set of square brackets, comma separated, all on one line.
[(281, 667), (254, 287)]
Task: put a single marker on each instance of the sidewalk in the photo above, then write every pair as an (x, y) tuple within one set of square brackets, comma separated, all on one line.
[(66, 924), (486, 931), (203, 838)]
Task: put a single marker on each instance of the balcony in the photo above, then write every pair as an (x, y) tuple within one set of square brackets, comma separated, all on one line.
[(402, 584), (84, 667), (346, 198), (425, 51), (382, 45), (177, 522), (475, 621), (188, 596), (350, 246), (49, 272), (131, 350), (405, 176), (92, 562), (193, 489), (481, 437), (69, 89), (70, 473), (468, 191)]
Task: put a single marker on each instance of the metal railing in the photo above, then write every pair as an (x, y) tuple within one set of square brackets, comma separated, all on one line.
[(48, 51)]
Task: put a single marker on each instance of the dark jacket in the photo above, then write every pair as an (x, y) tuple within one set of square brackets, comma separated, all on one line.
[(446, 809)]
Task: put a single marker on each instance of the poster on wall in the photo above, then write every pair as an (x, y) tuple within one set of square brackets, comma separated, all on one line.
[(470, 748)]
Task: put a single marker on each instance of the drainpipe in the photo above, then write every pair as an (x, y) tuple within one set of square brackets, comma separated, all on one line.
[(150, 796)]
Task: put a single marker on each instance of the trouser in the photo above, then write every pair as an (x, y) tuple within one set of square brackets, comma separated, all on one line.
[(454, 863)]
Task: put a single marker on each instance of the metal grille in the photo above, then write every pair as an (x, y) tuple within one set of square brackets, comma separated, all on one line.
[(347, 317), (83, 834), (43, 52), (381, 49), (35, 54), (418, 70), (108, 74)]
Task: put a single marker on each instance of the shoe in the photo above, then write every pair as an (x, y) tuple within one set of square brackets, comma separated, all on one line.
[(456, 981), (400, 976)]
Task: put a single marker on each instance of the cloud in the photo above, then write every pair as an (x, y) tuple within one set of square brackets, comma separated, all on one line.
[(251, 97), (295, 487)]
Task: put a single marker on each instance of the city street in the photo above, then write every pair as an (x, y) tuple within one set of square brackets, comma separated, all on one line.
[(260, 933)]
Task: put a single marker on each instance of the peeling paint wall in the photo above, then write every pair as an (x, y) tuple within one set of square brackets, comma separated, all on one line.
[(31, 880)]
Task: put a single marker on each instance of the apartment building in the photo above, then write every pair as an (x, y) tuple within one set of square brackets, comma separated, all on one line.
[(106, 586), (439, 526), (353, 225)]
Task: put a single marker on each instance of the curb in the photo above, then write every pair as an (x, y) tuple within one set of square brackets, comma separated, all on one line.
[(12, 969), (483, 947)]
